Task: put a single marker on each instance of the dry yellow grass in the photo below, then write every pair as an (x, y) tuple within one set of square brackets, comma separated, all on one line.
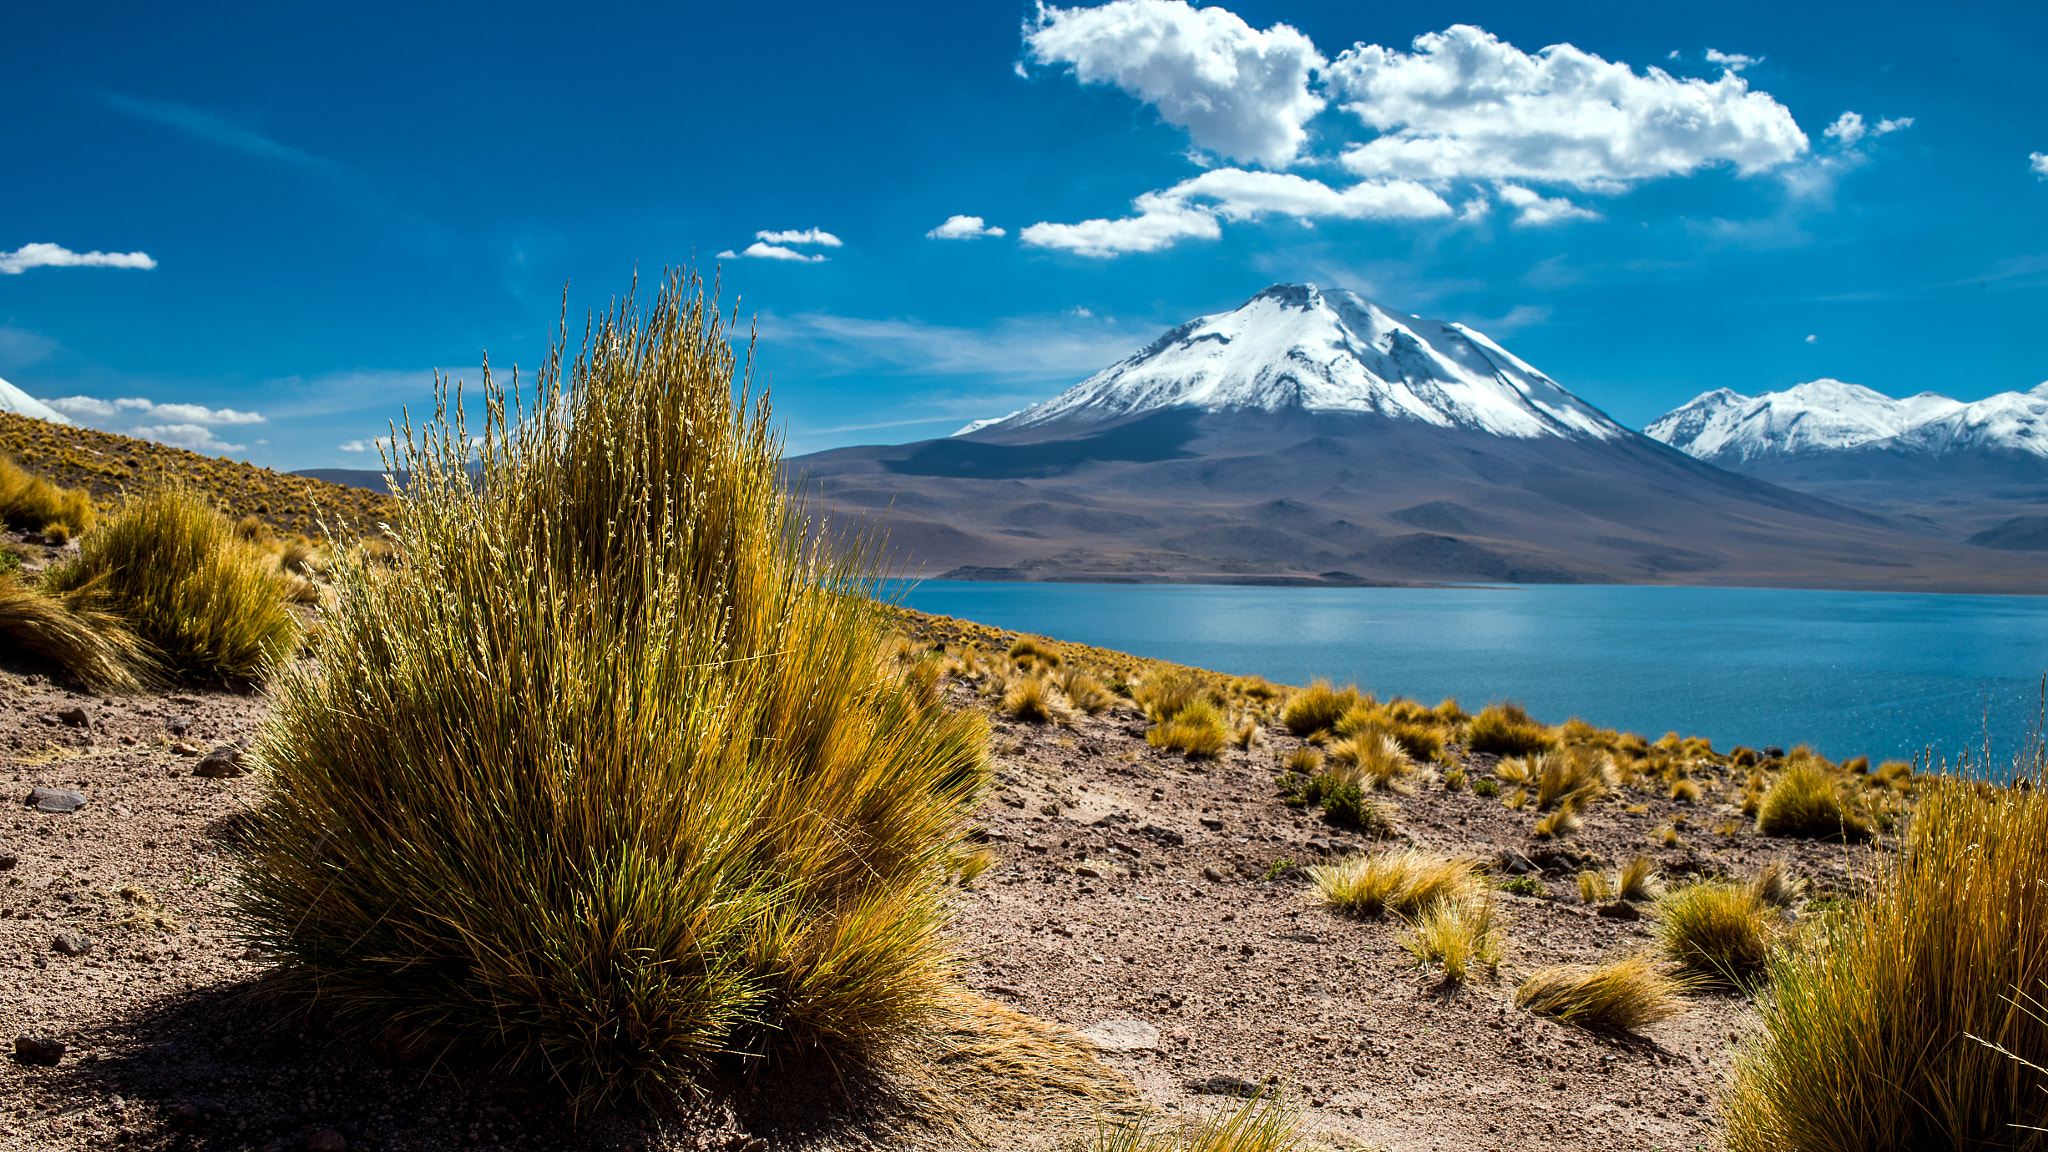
[(1622, 996), (1404, 881)]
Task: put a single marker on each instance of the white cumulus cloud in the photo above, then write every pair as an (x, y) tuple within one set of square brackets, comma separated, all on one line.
[(963, 228), (57, 256), (1239, 92), (1533, 210), (805, 236), (1191, 209), (760, 251), (1467, 105), (1850, 127), (1732, 61), (197, 437), (179, 425), (2037, 163)]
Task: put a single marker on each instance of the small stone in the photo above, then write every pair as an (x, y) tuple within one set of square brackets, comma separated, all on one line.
[(179, 726), (71, 944), (327, 1141), (1088, 870), (183, 749), (1620, 910), (224, 762), (1122, 1035), (58, 800), (1213, 874), (1226, 1086), (38, 1050), (1213, 823), (186, 1115), (8, 860), (79, 717)]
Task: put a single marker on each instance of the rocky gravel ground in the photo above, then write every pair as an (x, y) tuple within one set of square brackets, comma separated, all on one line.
[(1154, 904)]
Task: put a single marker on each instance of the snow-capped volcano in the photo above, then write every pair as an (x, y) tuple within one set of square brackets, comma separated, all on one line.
[(20, 403), (1295, 346), (1828, 416)]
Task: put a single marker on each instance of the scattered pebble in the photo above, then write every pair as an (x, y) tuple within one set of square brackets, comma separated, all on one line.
[(58, 800), (71, 944), (38, 1050)]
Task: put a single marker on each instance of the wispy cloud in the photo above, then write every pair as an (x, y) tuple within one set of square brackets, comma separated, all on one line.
[(57, 256), (212, 129), (182, 425), (805, 236), (2037, 163), (760, 251)]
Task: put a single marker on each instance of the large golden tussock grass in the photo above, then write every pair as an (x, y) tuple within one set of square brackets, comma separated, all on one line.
[(609, 776), (171, 569), (1865, 1036), (1621, 996), (28, 501), (74, 633)]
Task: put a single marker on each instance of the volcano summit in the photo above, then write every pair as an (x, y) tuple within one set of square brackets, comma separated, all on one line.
[(1313, 436)]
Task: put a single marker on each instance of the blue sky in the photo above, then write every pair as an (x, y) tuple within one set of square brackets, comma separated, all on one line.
[(265, 226)]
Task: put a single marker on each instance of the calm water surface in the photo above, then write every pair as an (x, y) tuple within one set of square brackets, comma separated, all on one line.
[(1852, 673)]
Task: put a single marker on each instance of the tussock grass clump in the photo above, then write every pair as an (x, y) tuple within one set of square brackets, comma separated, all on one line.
[(1084, 691), (1571, 779), (1028, 652), (74, 633), (210, 605), (1034, 699), (1595, 888), (1459, 934), (1195, 731), (1718, 929), (1864, 1042), (1401, 880), (1317, 708), (1775, 885), (1806, 801), (1639, 880), (1622, 996), (1263, 1123), (608, 777), (31, 503), (1506, 730), (1370, 761), (1560, 823)]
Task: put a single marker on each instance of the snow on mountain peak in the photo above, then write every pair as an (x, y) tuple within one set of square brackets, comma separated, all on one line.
[(1830, 416), (1295, 346), (20, 403)]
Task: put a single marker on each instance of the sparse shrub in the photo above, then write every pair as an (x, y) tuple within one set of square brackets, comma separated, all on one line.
[(1084, 691), (1454, 780), (1263, 1123), (1486, 786), (1371, 760), (1196, 731), (1717, 929), (1776, 886), (1639, 880), (1034, 700), (1864, 1042), (1459, 934), (1806, 801), (1622, 996), (662, 804), (1029, 653), (208, 603), (1506, 730), (1594, 888), (1523, 886), (1571, 779), (73, 633), (1317, 707), (1560, 823), (1350, 805), (1403, 881)]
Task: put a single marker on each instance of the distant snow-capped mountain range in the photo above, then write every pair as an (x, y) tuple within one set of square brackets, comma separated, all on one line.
[(1828, 416), (20, 403), (1295, 346)]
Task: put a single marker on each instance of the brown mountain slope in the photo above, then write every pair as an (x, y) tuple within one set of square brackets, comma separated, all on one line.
[(108, 464), (1186, 495)]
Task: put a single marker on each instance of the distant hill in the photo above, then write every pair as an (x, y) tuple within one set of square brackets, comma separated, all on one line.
[(1950, 469), (108, 464), (1316, 436)]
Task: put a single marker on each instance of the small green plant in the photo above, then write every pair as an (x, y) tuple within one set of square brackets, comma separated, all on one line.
[(1277, 867), (1486, 786), (1454, 780), (1349, 805), (1523, 886), (1621, 996)]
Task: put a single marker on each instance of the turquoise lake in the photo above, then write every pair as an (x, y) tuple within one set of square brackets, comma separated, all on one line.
[(1852, 673)]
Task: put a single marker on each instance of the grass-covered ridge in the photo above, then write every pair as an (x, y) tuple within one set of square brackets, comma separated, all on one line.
[(107, 466), (610, 775)]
